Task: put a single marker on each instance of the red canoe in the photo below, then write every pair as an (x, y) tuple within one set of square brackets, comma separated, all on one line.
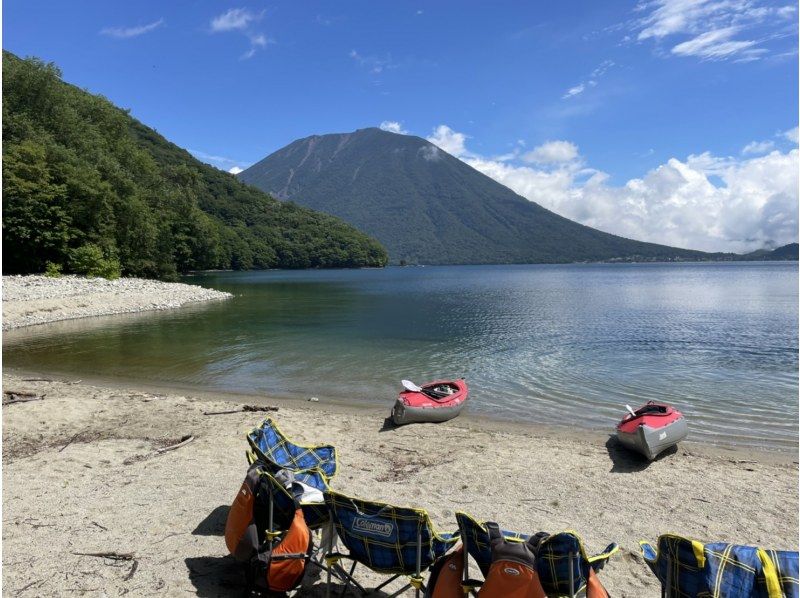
[(654, 428), (439, 401)]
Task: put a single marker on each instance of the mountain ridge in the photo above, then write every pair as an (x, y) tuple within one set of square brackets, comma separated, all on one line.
[(87, 187), (426, 206)]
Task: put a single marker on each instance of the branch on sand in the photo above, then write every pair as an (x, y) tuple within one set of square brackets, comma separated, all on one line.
[(244, 409), (20, 396), (184, 441), (114, 556)]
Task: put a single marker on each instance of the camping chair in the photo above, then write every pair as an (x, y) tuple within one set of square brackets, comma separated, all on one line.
[(397, 541), (562, 562), (688, 568), (276, 451)]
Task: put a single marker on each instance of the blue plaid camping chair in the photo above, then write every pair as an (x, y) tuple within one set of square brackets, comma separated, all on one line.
[(276, 451), (688, 568), (562, 562), (397, 541)]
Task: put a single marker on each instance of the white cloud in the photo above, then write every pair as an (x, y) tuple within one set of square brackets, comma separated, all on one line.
[(430, 153), (552, 152), (221, 162), (449, 140), (241, 20), (717, 45), (574, 91), (234, 19), (757, 147), (393, 127), (712, 25), (127, 32), (591, 82), (791, 135), (374, 64), (753, 204)]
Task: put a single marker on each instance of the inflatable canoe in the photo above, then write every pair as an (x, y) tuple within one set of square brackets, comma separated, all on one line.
[(433, 402), (652, 428)]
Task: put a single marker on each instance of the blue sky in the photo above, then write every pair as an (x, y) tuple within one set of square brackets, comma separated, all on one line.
[(625, 87)]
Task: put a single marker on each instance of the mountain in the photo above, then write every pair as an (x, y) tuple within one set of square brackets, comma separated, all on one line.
[(87, 188), (785, 253), (429, 207)]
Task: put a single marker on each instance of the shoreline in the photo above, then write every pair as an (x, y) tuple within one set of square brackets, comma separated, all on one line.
[(82, 474), (31, 300), (467, 420)]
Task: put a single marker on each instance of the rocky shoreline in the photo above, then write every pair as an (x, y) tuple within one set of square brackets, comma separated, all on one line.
[(33, 299)]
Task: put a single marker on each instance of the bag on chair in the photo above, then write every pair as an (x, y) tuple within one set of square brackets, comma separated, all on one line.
[(512, 573), (280, 567), (279, 562), (446, 574)]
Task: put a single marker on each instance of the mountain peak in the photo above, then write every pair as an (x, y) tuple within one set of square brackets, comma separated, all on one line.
[(427, 206)]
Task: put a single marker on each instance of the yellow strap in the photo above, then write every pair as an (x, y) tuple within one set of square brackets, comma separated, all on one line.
[(770, 575), (330, 561), (416, 582), (699, 553)]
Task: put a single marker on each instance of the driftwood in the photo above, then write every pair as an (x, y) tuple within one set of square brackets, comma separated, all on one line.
[(114, 556), (184, 441), (20, 396), (244, 409), (69, 441)]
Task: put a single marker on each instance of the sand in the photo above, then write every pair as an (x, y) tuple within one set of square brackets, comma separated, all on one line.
[(80, 475), (32, 299)]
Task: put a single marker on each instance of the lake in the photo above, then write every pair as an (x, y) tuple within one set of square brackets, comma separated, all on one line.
[(550, 344)]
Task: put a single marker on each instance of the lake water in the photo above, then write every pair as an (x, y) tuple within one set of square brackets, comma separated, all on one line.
[(565, 344)]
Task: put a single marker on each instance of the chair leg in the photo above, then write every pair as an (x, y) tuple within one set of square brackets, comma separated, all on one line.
[(328, 552), (419, 559), (349, 580)]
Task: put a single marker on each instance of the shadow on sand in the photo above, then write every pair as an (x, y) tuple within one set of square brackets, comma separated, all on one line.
[(388, 425), (216, 576), (214, 523), (223, 577), (627, 461)]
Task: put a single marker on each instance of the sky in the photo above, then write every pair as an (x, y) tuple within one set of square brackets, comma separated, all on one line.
[(672, 121)]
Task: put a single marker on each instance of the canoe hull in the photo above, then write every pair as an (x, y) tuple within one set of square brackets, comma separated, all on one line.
[(407, 414), (651, 442), (419, 407)]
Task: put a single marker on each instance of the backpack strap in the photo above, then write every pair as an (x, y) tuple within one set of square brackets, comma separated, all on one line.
[(535, 541), (494, 532)]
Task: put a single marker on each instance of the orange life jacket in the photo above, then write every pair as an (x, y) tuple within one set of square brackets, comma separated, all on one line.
[(512, 573), (446, 576), (278, 563)]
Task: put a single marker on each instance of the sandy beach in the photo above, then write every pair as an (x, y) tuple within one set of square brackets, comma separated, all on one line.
[(81, 475)]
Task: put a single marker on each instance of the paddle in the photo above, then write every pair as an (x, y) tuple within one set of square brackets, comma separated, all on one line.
[(411, 387), (631, 411)]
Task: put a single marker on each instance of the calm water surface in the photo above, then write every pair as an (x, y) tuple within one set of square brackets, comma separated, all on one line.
[(550, 344)]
